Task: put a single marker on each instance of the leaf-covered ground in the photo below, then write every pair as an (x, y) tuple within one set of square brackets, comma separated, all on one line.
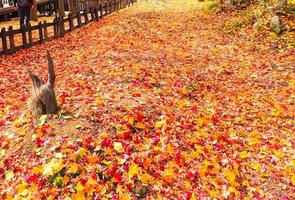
[(157, 102)]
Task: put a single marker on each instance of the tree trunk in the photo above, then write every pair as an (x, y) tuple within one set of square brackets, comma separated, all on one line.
[(61, 8), (280, 4), (43, 100), (72, 7), (34, 15)]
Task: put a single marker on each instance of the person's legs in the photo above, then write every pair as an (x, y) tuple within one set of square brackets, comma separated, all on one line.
[(28, 15), (21, 12)]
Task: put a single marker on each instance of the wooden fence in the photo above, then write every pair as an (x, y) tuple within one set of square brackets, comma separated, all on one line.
[(59, 26)]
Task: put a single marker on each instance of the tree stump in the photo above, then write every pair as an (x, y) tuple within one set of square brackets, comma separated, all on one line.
[(43, 100), (275, 24)]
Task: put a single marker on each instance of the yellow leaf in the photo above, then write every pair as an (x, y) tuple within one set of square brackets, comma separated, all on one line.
[(106, 162), (42, 118), (230, 175), (254, 138), (233, 190), (277, 153), (8, 197), (21, 187), (183, 103), (79, 196), (169, 149), (79, 187), (51, 197), (131, 120), (2, 152), (91, 182), (159, 124), (199, 150), (133, 170), (213, 193), (207, 163), (65, 180), (9, 175), (103, 190), (17, 123), (293, 179), (52, 167), (245, 183), (172, 164), (194, 154), (121, 161), (146, 178), (124, 196), (38, 169), (140, 125), (21, 132), (169, 172), (34, 187), (99, 101), (193, 197), (73, 168), (184, 90), (24, 193), (243, 154), (118, 147), (200, 121), (81, 151), (156, 148), (187, 185), (256, 166)]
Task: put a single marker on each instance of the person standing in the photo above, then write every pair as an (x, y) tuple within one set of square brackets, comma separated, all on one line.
[(24, 8)]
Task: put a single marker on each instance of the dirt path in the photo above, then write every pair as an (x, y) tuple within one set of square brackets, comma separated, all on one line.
[(157, 101)]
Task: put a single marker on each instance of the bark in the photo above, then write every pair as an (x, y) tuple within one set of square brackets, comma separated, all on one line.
[(34, 15), (275, 24), (280, 4), (43, 99)]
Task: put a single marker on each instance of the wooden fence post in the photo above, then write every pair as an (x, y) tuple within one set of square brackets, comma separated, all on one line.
[(41, 39), (24, 36), (79, 19), (11, 38), (100, 10), (71, 23), (96, 13), (30, 36), (62, 26), (85, 13), (55, 24), (4, 41), (92, 12), (105, 9), (45, 30)]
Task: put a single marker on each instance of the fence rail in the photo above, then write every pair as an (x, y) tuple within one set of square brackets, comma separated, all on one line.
[(60, 26)]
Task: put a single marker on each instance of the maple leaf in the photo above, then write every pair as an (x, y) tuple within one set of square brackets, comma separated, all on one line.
[(146, 178), (79, 187), (133, 170), (52, 167), (230, 175), (243, 154), (21, 187), (118, 147)]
